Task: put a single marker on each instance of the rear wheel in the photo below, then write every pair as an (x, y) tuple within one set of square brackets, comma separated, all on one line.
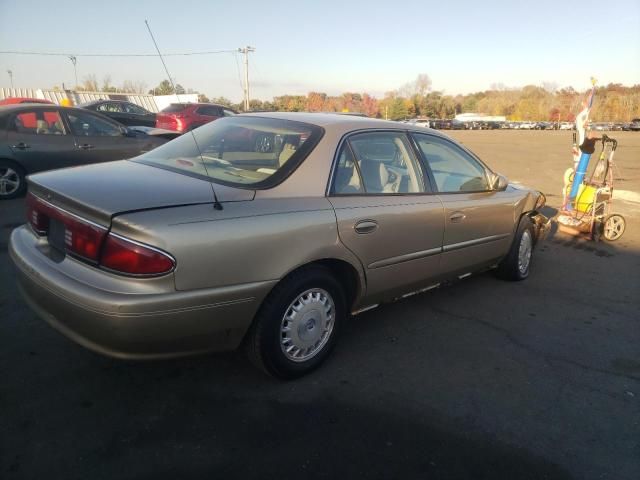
[(517, 264), (614, 227), (12, 180), (297, 325)]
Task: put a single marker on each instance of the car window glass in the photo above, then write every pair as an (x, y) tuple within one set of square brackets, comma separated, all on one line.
[(227, 113), (110, 107), (208, 111), (135, 109), (386, 163), (346, 179), (453, 169), (40, 122), (83, 124), (238, 150)]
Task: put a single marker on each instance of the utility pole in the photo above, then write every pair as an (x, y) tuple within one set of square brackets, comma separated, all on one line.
[(246, 50), (75, 71), (10, 77)]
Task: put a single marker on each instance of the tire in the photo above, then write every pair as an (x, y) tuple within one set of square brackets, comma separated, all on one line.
[(12, 180), (321, 302), (613, 227), (517, 264)]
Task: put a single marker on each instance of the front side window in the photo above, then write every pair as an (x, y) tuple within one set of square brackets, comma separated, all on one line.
[(87, 125), (39, 122), (239, 150), (453, 169), (382, 163)]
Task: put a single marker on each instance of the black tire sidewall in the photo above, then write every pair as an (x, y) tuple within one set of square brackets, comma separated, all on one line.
[(23, 181), (273, 359), (508, 268)]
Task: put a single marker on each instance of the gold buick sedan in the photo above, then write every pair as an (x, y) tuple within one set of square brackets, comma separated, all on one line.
[(264, 231)]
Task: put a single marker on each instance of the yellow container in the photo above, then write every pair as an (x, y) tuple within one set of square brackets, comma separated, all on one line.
[(585, 198)]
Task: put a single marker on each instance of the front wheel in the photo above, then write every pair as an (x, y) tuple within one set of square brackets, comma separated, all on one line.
[(517, 264), (297, 325)]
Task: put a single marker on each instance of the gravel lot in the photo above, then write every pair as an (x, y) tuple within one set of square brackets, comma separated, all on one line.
[(483, 379)]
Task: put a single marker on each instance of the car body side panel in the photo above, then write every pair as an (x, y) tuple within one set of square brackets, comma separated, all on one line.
[(479, 228), (403, 251), (252, 241)]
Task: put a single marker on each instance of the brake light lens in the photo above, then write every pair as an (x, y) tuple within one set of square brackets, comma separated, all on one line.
[(35, 215), (126, 256), (92, 242)]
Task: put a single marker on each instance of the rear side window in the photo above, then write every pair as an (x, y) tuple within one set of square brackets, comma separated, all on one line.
[(378, 163), (173, 108), (209, 111), (252, 151), (110, 107), (40, 122)]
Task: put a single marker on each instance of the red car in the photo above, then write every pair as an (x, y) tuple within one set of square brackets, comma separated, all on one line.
[(183, 117), (14, 100)]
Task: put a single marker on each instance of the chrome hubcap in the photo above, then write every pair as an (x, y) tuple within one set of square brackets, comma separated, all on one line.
[(9, 181), (524, 252), (307, 325), (614, 227)]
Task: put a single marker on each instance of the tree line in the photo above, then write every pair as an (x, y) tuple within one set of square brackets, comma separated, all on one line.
[(613, 102)]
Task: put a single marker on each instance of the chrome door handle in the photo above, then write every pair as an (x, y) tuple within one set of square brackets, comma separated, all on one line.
[(365, 226), (457, 217), (21, 146), (85, 146)]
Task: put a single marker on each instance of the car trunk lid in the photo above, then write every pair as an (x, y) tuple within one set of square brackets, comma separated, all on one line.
[(99, 192)]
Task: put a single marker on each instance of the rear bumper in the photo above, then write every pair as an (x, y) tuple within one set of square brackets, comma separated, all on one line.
[(132, 325)]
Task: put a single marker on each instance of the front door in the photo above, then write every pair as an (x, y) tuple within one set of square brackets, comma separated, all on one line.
[(39, 140), (385, 213), (478, 221), (99, 139)]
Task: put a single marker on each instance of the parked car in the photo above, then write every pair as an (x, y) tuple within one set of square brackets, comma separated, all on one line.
[(210, 245), (634, 125), (126, 113), (183, 117), (567, 126), (19, 100), (37, 137)]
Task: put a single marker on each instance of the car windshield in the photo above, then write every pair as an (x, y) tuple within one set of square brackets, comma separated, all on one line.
[(238, 150)]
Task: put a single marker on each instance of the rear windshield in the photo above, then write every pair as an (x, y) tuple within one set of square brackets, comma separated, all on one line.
[(174, 107), (239, 151)]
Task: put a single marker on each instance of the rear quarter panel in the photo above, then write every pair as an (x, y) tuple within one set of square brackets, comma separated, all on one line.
[(250, 241)]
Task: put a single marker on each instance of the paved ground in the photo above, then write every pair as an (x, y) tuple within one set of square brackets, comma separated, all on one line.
[(484, 379)]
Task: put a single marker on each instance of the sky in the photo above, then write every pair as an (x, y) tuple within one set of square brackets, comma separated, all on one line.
[(327, 46)]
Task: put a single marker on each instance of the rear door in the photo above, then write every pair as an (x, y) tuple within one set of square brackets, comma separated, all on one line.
[(40, 140), (206, 114), (478, 221), (98, 139), (385, 213)]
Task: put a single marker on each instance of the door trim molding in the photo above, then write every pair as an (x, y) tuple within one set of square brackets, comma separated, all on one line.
[(475, 241), (405, 258)]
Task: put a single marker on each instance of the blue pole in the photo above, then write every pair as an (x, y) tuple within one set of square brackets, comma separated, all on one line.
[(581, 170)]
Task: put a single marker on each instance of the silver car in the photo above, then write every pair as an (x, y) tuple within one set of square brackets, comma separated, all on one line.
[(264, 230)]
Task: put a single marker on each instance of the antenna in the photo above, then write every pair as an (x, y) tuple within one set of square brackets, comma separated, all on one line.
[(216, 204)]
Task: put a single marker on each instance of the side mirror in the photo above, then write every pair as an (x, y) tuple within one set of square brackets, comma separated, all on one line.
[(499, 182), (127, 132)]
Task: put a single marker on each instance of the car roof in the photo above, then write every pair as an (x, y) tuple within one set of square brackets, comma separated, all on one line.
[(342, 123)]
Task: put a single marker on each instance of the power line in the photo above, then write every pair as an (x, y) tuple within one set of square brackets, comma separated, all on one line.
[(62, 54)]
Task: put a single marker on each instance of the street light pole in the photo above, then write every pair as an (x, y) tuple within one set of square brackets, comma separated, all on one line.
[(75, 71), (10, 77), (246, 50)]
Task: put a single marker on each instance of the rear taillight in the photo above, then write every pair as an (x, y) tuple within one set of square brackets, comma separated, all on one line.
[(126, 256), (36, 216), (92, 242), (80, 237)]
